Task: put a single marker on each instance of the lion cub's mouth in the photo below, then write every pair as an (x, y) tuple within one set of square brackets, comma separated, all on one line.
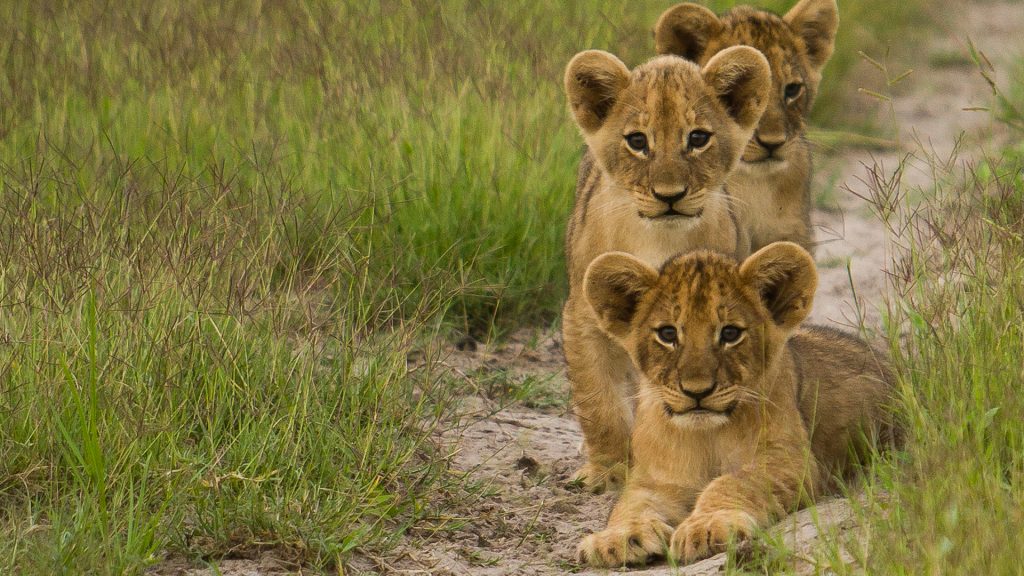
[(698, 418), (768, 162), (699, 410), (764, 160), (673, 214)]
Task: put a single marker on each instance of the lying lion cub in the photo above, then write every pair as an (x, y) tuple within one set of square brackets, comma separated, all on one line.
[(742, 415), (661, 139)]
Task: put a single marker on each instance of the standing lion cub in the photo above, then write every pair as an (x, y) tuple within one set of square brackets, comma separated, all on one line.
[(742, 415), (662, 139)]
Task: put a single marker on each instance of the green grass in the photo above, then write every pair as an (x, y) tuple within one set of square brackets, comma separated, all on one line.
[(223, 227), (956, 499), (189, 385)]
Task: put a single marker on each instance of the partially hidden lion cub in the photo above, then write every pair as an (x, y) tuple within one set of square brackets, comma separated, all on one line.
[(661, 141), (772, 184), (742, 415)]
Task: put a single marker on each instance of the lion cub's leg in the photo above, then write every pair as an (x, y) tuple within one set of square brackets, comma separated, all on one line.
[(782, 474), (638, 529), (602, 378)]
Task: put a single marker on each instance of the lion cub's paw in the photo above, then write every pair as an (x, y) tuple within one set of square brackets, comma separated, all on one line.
[(598, 479), (632, 543), (705, 534)]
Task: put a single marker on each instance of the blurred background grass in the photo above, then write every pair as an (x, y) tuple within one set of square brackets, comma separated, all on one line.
[(223, 226), (440, 129)]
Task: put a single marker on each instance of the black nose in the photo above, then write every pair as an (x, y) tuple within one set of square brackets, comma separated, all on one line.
[(770, 146), (698, 396), (670, 199)]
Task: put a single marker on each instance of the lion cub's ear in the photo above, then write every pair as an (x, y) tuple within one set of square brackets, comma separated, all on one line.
[(685, 30), (816, 22), (614, 284), (593, 81), (784, 276), (741, 78)]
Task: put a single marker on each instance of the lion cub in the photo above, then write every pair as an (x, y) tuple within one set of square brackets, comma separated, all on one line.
[(661, 141), (742, 414), (772, 184)]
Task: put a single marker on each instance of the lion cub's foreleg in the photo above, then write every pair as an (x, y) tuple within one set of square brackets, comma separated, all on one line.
[(781, 475), (603, 383)]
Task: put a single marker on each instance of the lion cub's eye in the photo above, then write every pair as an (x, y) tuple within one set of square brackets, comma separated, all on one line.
[(730, 334), (667, 334), (698, 139), (792, 91), (637, 141)]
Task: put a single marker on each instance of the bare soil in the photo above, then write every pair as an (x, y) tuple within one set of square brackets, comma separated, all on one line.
[(527, 520)]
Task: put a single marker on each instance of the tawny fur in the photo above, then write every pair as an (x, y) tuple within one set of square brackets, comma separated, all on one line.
[(786, 411), (771, 188), (616, 208)]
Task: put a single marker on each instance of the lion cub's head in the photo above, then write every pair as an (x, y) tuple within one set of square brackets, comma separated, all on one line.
[(668, 133), (703, 329), (797, 46)]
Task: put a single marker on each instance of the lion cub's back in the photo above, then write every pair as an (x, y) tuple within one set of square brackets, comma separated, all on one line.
[(843, 384)]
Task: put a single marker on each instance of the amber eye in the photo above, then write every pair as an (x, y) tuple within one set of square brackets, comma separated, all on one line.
[(791, 91), (637, 141), (667, 334), (698, 139), (730, 334)]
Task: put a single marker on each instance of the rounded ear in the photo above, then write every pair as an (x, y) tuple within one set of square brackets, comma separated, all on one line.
[(784, 276), (685, 30), (593, 81), (613, 285), (742, 79), (816, 22)]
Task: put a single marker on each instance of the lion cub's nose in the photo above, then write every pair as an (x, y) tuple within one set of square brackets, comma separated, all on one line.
[(670, 199), (699, 395)]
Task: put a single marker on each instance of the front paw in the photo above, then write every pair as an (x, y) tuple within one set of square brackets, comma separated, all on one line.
[(598, 478), (632, 543), (705, 534)]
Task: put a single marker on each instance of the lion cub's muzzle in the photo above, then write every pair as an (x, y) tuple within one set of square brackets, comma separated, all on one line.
[(698, 407), (765, 150), (674, 205)]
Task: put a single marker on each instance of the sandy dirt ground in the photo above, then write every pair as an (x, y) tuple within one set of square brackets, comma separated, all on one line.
[(527, 521)]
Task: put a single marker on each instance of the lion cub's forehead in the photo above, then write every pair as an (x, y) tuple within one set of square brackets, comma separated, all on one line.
[(668, 86), (700, 285), (763, 30)]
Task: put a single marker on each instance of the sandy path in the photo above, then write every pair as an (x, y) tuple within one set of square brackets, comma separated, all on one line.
[(531, 523)]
